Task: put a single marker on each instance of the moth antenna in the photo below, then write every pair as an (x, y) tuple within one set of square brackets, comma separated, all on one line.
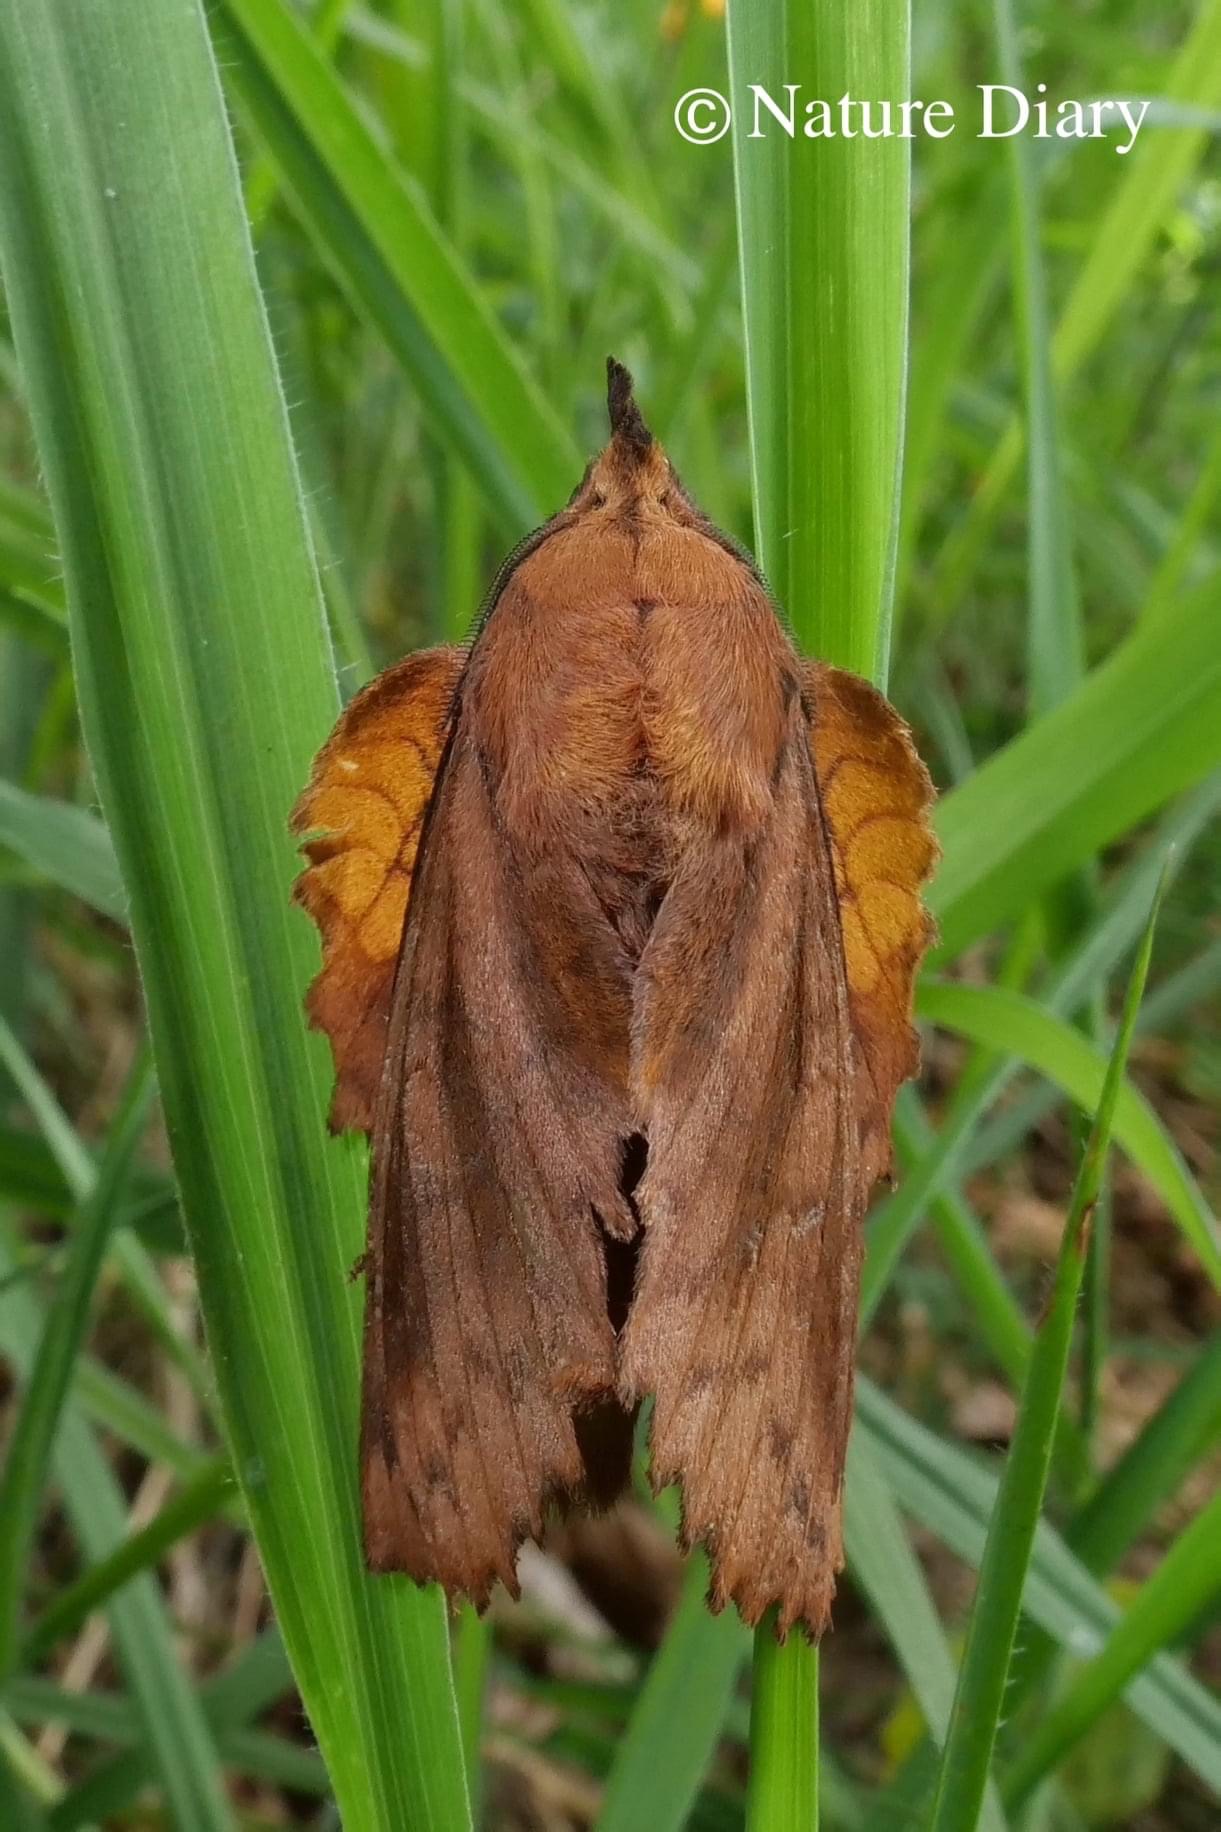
[(626, 420)]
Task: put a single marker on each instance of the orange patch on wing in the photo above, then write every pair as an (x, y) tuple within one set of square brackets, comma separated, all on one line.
[(876, 796), (360, 820)]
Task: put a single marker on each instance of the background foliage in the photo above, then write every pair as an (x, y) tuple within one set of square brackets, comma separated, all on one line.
[(455, 211)]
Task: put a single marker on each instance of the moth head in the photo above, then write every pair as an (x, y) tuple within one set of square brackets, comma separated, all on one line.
[(632, 474)]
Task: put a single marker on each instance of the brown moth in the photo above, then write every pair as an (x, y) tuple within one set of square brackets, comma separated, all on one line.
[(620, 911)]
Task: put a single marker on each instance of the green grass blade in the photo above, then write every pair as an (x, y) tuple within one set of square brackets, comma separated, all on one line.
[(116, 1406), (1053, 631), (31, 624), (998, 1317), (33, 588), (31, 1178), (326, 24), (1169, 1446), (1140, 728), (1193, 984), (824, 249), (398, 267), (678, 1717), (28, 571), (172, 1722), (203, 1495), (28, 1455), (24, 1787), (960, 283), (24, 679), (896, 1217), (954, 1496), (782, 1792), (205, 686), (1187, 1578), (1154, 174), (1080, 972), (1199, 515), (1018, 1024), (71, 1156), (75, 1161), (472, 1651), (257, 1678), (108, 1718), (884, 1566), (823, 227), (65, 845), (979, 1698), (509, 122), (578, 65), (24, 513)]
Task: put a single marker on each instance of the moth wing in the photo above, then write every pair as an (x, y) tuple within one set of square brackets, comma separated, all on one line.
[(489, 1371), (360, 817), (756, 1042), (876, 796)]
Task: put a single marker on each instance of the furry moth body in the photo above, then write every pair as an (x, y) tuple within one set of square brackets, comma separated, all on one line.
[(620, 912)]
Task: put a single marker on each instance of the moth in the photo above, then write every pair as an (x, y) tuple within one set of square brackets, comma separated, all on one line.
[(620, 910)]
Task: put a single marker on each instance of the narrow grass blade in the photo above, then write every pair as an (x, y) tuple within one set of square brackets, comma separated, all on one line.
[(782, 1792), (326, 23), (109, 1718), (824, 249), (679, 1715), (205, 686), (471, 1656), (1153, 176), (954, 1496), (509, 123), (202, 1496), (577, 65), (961, 279), (1199, 515), (184, 1755), (71, 1156), (23, 685), (33, 625), (24, 1474), (232, 1700), (24, 1787), (1140, 728), (1053, 630), (68, 846), (30, 1177), (1082, 970), (884, 1566), (28, 571), (1187, 1578), (1002, 1327), (75, 1161), (823, 227), (1022, 1027), (1172, 1442), (895, 1219), (400, 270), (115, 1405), (979, 1698)]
